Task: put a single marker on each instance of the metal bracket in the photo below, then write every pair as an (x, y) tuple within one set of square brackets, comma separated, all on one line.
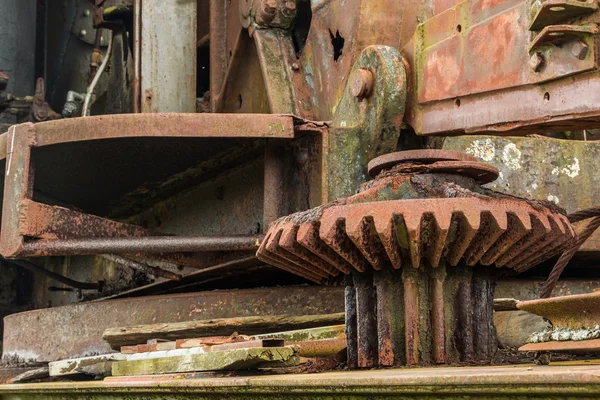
[(552, 12)]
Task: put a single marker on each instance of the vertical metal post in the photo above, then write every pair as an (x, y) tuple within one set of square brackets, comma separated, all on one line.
[(366, 317), (351, 324), (218, 50), (168, 56), (273, 200)]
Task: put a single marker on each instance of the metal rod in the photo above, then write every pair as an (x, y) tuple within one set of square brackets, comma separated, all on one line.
[(137, 54), (150, 244), (57, 277), (148, 269)]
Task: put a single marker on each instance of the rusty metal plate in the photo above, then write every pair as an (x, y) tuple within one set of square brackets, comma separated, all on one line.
[(76, 330), (387, 161), (576, 311)]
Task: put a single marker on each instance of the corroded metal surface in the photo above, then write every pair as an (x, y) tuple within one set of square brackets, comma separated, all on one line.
[(389, 160), (576, 311), (409, 239), (549, 382), (575, 323), (76, 330)]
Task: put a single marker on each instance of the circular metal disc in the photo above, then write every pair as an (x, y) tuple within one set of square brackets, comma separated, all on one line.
[(427, 156)]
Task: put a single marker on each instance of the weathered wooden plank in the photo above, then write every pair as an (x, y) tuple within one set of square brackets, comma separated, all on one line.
[(133, 335), (94, 365), (505, 304), (213, 361), (144, 348)]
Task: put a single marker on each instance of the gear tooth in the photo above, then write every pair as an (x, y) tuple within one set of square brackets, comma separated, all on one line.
[(289, 243), (537, 248), (263, 246), (538, 258), (412, 224), (464, 233), (385, 226), (524, 217), (338, 240), (308, 237), (366, 239), (536, 232), (436, 243), (514, 232), (278, 262), (568, 227), (473, 218), (489, 232), (275, 248), (559, 223)]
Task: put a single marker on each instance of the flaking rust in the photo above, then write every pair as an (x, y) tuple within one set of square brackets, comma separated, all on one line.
[(423, 244)]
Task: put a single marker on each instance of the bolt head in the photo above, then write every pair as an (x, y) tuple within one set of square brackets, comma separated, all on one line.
[(87, 13), (295, 67), (579, 49), (82, 33), (266, 12), (536, 61), (361, 83)]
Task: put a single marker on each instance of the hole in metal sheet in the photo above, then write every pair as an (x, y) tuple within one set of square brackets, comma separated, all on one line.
[(546, 97), (457, 102), (458, 28), (239, 102), (338, 44)]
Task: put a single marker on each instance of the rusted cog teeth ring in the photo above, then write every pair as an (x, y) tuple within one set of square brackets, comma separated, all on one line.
[(379, 235)]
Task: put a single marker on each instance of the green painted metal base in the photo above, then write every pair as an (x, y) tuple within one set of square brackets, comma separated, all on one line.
[(514, 382)]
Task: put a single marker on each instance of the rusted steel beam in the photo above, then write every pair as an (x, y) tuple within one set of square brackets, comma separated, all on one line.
[(52, 222), (149, 244), (148, 269)]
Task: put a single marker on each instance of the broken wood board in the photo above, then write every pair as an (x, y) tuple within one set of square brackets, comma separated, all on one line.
[(126, 336), (94, 365), (214, 361), (302, 335)]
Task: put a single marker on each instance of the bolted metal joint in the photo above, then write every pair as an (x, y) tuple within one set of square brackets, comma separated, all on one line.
[(266, 12), (289, 10), (536, 61), (361, 83), (579, 49)]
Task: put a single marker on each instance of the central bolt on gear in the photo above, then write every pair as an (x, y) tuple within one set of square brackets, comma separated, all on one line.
[(419, 248)]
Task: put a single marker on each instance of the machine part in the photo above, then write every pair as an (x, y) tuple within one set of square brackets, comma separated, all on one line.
[(364, 128), (87, 103), (73, 104), (574, 323), (515, 83), (5, 98), (145, 245), (410, 239), (76, 330), (167, 55), (40, 110), (83, 24), (32, 219)]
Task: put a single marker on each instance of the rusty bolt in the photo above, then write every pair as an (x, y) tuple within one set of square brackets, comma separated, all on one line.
[(579, 49), (361, 83), (536, 61), (82, 33), (266, 12), (290, 9), (295, 67)]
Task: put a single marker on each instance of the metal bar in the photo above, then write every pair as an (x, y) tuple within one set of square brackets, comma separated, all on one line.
[(366, 308), (218, 50), (351, 326), (148, 269), (411, 315), (137, 62), (152, 244), (53, 222), (273, 200), (57, 277)]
